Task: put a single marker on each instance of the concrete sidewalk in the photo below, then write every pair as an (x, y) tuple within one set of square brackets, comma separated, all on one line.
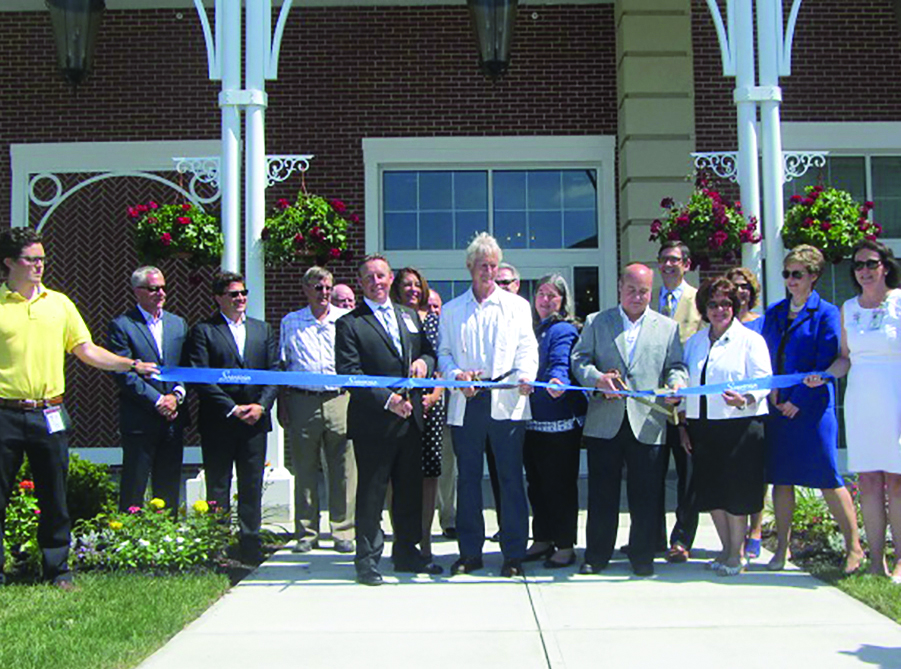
[(307, 611)]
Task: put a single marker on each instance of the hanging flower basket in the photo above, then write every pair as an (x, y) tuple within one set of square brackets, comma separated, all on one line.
[(711, 227), (180, 231), (830, 220), (311, 228)]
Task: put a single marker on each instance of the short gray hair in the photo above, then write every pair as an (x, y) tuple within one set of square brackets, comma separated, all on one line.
[(139, 276), (483, 245), (316, 274), (567, 309), (513, 270)]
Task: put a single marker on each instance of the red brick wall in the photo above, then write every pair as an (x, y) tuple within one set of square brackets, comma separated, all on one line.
[(345, 74), (845, 67)]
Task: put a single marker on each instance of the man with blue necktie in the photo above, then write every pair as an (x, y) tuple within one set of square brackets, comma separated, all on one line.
[(151, 416)]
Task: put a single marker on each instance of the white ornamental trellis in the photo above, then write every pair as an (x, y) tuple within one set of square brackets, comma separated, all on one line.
[(724, 164)]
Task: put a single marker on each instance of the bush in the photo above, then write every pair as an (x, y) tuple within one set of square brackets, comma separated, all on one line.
[(89, 490)]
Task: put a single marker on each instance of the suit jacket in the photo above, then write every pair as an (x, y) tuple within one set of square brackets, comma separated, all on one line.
[(211, 344), (129, 336), (657, 362), (362, 346), (687, 315)]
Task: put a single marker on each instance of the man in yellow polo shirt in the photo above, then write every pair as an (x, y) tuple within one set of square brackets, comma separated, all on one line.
[(37, 328)]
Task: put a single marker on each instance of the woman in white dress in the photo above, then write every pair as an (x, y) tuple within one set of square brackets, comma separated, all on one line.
[(870, 355)]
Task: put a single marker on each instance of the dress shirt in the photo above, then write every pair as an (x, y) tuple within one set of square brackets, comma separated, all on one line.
[(155, 324), (739, 354), (631, 330), (385, 314), (308, 344), (677, 295), (239, 332)]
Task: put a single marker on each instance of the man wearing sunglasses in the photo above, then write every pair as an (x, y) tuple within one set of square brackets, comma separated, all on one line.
[(315, 418), (151, 417), (38, 327), (234, 417)]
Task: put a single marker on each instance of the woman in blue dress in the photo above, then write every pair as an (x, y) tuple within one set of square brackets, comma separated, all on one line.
[(803, 334)]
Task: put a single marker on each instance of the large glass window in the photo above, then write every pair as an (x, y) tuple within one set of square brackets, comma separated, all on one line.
[(523, 209)]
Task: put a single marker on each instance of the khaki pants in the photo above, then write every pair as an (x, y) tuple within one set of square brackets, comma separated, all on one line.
[(447, 483), (317, 427)]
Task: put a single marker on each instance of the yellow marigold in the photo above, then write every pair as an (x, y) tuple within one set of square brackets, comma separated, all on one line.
[(157, 503), (115, 525), (201, 507)]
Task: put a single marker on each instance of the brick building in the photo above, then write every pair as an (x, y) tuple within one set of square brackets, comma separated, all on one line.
[(565, 158)]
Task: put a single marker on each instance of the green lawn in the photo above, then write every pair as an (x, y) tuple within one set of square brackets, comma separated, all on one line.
[(112, 621)]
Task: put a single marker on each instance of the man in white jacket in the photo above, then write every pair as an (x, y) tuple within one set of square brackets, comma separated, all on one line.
[(486, 333)]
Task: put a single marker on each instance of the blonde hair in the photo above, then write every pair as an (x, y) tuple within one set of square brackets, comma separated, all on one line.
[(483, 245), (809, 256)]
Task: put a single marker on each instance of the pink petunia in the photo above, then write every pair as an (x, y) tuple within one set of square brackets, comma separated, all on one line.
[(282, 203), (165, 239), (339, 206)]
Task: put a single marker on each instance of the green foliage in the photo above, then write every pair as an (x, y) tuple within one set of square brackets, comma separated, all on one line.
[(89, 490), (830, 220), (176, 230), (709, 225), (20, 530), (312, 226)]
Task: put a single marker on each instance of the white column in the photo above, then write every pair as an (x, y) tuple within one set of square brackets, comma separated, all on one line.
[(771, 143), (230, 166), (748, 170), (255, 156)]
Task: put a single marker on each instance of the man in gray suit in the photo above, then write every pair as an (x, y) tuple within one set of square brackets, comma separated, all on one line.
[(151, 419), (633, 346)]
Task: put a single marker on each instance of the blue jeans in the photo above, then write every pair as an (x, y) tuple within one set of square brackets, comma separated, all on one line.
[(470, 439)]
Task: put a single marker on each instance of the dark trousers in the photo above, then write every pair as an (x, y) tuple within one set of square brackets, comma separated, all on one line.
[(552, 475), (389, 455), (245, 449), (643, 462), (686, 505), (495, 481), (25, 433), (469, 446), (155, 455)]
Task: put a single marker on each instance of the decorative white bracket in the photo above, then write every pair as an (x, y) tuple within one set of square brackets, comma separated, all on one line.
[(724, 164), (280, 167), (205, 170)]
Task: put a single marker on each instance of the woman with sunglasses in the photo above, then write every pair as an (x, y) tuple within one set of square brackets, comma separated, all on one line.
[(802, 333), (748, 290), (724, 431), (870, 355)]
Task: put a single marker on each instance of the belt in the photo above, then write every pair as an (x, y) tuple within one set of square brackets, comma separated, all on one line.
[(30, 405)]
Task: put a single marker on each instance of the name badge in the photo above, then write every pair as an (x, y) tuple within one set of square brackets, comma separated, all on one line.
[(411, 326), (54, 418)]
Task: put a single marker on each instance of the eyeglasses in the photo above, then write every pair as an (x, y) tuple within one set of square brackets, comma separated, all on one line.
[(872, 263), (33, 260), (794, 274), (322, 289), (504, 282), (665, 260), (236, 293), (721, 304), (742, 286), (153, 289)]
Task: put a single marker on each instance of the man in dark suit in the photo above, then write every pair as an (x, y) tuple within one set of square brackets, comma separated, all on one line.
[(384, 339), (151, 420), (235, 418)]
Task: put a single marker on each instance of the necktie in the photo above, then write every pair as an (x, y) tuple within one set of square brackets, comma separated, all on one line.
[(670, 305), (386, 316)]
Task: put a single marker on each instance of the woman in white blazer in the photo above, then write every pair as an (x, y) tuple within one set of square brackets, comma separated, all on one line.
[(724, 432)]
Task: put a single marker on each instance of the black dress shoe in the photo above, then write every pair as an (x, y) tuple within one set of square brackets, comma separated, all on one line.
[(370, 578), (553, 564), (511, 568), (422, 568), (643, 569), (466, 565), (540, 555), (496, 537), (588, 568), (450, 533)]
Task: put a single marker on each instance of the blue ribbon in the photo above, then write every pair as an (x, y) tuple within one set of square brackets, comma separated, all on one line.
[(307, 379)]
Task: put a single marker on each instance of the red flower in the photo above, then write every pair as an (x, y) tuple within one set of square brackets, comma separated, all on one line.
[(872, 238), (667, 202), (825, 226), (37, 512), (655, 227), (298, 239), (863, 224), (141, 208), (282, 203), (672, 234), (133, 212), (316, 232), (877, 228), (354, 218), (718, 238), (807, 223), (165, 239), (795, 199), (26, 485), (737, 205), (134, 509), (186, 207), (869, 205), (339, 206), (183, 220), (682, 221), (335, 253), (153, 220), (152, 205), (807, 201)]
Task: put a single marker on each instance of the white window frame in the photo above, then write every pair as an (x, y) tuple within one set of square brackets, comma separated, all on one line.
[(859, 140), (595, 152)]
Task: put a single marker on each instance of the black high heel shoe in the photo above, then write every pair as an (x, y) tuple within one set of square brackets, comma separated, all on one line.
[(540, 555)]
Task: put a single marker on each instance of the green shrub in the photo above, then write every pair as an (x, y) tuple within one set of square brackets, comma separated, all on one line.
[(89, 491)]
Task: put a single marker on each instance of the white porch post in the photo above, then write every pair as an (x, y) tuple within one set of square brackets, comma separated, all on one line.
[(255, 157), (229, 100)]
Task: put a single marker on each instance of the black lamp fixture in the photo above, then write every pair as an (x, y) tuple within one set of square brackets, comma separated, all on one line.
[(75, 25), (493, 21)]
